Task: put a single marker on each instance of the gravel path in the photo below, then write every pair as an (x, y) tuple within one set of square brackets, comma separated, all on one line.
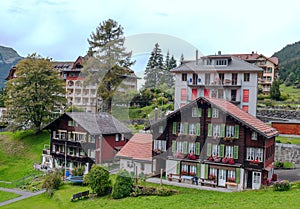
[(24, 194)]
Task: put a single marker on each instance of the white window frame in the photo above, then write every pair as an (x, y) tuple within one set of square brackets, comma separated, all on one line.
[(179, 147), (213, 171), (117, 138), (192, 147), (160, 129), (216, 132), (122, 137), (160, 145), (192, 128), (253, 135), (229, 131), (231, 174), (255, 153), (215, 150), (181, 128), (229, 151), (215, 113), (194, 112)]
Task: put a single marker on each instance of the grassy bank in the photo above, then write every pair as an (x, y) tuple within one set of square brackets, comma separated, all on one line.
[(287, 140), (4, 196)]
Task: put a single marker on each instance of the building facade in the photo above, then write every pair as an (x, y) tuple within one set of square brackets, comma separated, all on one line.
[(217, 76), (216, 141), (270, 66), (83, 139)]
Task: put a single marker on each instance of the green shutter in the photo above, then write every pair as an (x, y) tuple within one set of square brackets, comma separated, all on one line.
[(198, 129), (198, 170), (209, 113), (236, 152), (178, 168), (236, 131), (174, 146), (185, 128), (237, 175), (185, 147), (197, 148), (199, 112), (206, 171), (174, 131), (222, 150), (222, 130), (208, 151), (209, 130)]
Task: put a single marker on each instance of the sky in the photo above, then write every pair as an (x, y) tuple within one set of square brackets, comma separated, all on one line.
[(59, 29)]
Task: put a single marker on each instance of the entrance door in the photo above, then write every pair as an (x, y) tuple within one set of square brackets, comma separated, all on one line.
[(249, 179), (222, 178), (256, 180)]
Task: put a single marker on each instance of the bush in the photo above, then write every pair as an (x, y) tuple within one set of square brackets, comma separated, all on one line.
[(277, 141), (98, 180), (288, 165), (162, 191), (78, 171), (123, 185), (147, 191), (52, 181), (282, 186), (269, 102), (278, 164)]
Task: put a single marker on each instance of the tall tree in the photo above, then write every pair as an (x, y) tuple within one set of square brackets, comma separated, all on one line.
[(35, 95), (274, 90), (154, 68), (109, 59)]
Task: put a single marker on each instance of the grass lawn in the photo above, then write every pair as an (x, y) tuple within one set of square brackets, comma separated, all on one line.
[(294, 94), (290, 140), (186, 198), (7, 196), (18, 153)]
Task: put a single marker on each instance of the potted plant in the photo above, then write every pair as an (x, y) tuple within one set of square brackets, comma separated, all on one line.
[(231, 161), (225, 160), (192, 156), (210, 158), (217, 159)]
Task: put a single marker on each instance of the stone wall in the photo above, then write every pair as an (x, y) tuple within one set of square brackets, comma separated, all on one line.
[(288, 152), (282, 114)]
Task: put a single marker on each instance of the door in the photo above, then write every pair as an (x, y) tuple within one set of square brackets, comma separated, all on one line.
[(256, 180), (249, 179), (222, 178)]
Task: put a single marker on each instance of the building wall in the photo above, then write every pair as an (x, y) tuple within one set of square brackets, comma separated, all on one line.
[(288, 152), (130, 165), (287, 127)]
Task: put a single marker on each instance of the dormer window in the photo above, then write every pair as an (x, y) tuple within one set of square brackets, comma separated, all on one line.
[(254, 136), (221, 62)]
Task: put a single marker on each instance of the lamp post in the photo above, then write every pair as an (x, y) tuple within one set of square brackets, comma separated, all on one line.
[(162, 103)]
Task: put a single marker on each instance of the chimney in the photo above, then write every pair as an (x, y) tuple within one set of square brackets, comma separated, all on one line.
[(197, 57), (219, 52)]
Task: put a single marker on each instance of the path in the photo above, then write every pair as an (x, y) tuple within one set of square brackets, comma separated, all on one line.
[(24, 194)]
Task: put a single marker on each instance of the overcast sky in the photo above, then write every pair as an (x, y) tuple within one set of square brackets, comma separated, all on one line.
[(59, 28)]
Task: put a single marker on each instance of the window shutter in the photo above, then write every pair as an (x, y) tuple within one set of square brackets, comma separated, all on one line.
[(222, 150), (222, 130), (185, 128), (197, 148), (209, 113), (185, 147), (198, 129), (174, 128), (236, 131), (198, 170), (178, 168), (237, 175), (209, 130), (199, 112), (208, 151), (206, 171), (174, 146), (236, 152)]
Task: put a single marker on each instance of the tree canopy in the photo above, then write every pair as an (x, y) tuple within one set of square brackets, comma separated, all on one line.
[(274, 90), (108, 60), (35, 96)]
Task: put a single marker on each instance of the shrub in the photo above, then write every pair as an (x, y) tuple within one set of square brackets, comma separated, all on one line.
[(288, 165), (162, 191), (269, 102), (147, 191), (282, 186), (123, 185), (278, 164), (52, 181), (277, 141), (98, 180), (78, 171)]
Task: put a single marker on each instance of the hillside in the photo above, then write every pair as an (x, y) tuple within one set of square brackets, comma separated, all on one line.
[(8, 58), (289, 61)]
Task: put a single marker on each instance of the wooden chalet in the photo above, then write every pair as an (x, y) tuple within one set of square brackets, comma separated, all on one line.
[(84, 138), (216, 141)]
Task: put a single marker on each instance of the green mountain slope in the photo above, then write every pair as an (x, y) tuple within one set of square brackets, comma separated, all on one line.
[(8, 58), (289, 61)]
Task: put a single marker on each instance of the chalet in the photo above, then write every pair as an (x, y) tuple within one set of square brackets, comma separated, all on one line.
[(82, 139), (136, 155), (216, 141)]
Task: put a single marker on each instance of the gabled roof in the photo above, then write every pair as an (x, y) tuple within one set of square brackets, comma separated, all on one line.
[(95, 123), (139, 147), (235, 112), (235, 64)]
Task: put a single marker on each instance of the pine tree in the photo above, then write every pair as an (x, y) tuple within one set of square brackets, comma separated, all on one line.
[(274, 90), (154, 68), (109, 61), (167, 77), (35, 95), (181, 59)]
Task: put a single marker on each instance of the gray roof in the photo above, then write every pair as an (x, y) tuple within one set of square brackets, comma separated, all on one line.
[(236, 64), (98, 123)]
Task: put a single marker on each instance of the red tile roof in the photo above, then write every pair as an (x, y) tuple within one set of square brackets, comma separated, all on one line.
[(139, 147), (243, 117)]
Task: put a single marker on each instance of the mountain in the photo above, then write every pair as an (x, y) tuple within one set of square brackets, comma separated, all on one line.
[(8, 58), (289, 61)]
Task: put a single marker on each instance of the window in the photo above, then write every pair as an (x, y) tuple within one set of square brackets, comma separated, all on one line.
[(194, 112), (183, 94), (184, 77), (192, 147), (142, 166), (246, 77), (231, 174), (181, 129), (160, 129), (234, 78), (221, 62), (179, 147), (194, 94), (270, 69), (192, 128), (159, 145), (215, 113), (122, 137), (229, 151), (254, 136), (216, 130), (215, 151), (233, 95), (71, 123), (221, 78), (220, 93), (117, 137), (195, 79), (229, 131), (206, 92), (245, 108), (254, 154), (246, 95), (213, 171), (91, 139), (207, 78)]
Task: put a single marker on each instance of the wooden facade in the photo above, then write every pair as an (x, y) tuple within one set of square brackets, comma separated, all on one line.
[(209, 140)]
